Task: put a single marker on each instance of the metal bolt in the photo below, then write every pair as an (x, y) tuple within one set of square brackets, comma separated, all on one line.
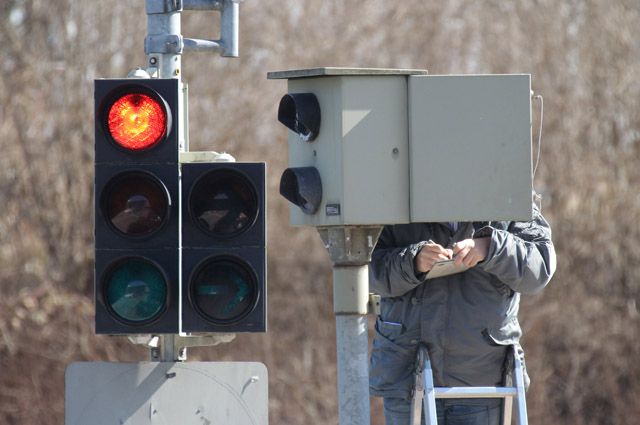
[(153, 60)]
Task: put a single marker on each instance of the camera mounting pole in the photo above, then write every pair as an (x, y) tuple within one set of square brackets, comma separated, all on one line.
[(164, 43), (350, 249)]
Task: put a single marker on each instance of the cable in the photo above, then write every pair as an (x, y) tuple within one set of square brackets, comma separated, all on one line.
[(535, 168), (537, 197)]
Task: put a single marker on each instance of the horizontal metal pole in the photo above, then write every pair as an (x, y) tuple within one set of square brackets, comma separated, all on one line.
[(199, 45), (202, 4), (475, 392)]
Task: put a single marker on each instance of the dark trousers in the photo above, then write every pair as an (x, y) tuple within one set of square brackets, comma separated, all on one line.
[(449, 412)]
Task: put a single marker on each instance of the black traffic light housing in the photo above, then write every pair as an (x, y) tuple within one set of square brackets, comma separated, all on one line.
[(223, 247), (136, 206)]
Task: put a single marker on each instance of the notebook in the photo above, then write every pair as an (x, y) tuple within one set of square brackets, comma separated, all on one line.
[(445, 268)]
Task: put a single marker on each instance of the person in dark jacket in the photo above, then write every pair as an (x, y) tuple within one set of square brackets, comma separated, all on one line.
[(467, 320)]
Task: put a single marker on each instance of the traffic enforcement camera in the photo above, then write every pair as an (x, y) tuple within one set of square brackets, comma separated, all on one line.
[(157, 253), (386, 146)]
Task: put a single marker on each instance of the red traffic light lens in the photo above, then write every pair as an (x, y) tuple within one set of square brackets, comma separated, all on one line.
[(137, 121), (136, 204)]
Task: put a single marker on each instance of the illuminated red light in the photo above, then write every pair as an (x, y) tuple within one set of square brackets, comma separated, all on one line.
[(137, 121)]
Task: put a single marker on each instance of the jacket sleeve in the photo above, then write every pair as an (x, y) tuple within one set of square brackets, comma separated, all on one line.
[(391, 272), (523, 256)]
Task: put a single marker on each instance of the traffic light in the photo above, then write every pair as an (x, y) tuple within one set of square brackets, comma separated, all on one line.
[(223, 247), (136, 199)]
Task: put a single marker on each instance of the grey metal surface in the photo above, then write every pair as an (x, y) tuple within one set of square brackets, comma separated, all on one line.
[(353, 369), (193, 393), (202, 4), (350, 251), (350, 245), (338, 71), (438, 148), (361, 151), (520, 399), (199, 45), (163, 43), (470, 147), (351, 290), (229, 28)]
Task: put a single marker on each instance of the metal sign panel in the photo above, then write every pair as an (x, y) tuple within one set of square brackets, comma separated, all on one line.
[(193, 393)]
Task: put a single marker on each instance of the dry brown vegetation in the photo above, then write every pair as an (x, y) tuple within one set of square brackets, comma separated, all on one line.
[(582, 333)]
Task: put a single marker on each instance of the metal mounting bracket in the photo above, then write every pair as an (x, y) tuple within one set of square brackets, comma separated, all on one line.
[(162, 6)]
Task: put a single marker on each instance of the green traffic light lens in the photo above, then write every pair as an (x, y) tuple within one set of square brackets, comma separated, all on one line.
[(224, 290), (136, 290), (136, 204), (223, 203)]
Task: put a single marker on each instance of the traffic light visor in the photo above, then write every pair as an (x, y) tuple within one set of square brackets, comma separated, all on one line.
[(300, 112), (135, 204), (302, 186), (137, 120), (224, 289), (135, 291), (223, 203)]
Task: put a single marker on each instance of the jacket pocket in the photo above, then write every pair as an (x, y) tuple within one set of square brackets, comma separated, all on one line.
[(393, 357), (507, 334), (500, 287)]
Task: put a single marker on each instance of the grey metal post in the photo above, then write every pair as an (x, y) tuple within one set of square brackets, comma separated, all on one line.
[(352, 352), (350, 249), (164, 45)]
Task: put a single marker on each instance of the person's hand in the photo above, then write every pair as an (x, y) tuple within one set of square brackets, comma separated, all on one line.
[(470, 251), (429, 254)]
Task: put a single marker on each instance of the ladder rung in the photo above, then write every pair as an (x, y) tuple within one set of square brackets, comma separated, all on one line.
[(475, 392)]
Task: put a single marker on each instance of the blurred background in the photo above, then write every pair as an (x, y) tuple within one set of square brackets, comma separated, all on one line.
[(582, 334)]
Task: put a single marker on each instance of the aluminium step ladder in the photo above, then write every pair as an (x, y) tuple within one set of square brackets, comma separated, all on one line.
[(425, 394)]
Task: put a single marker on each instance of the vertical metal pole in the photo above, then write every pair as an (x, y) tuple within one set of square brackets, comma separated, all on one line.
[(164, 45), (518, 377), (164, 31), (229, 25), (429, 401), (350, 249), (352, 346)]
